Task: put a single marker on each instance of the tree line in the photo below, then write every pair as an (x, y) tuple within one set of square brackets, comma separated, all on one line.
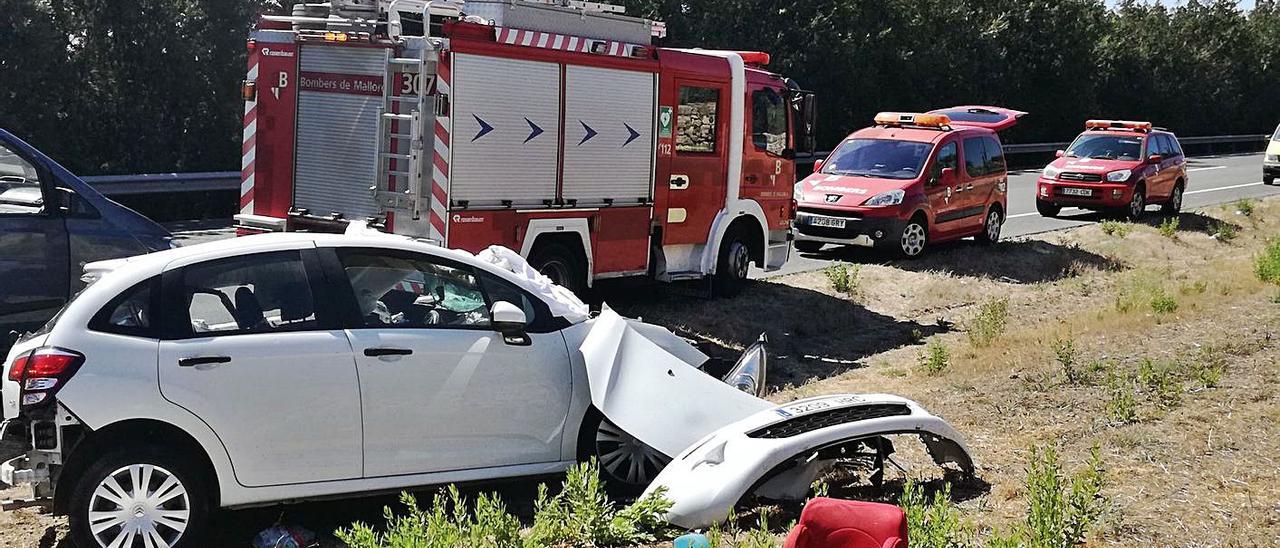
[(132, 86)]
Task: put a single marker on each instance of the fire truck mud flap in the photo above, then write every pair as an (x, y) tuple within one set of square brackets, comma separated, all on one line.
[(726, 443)]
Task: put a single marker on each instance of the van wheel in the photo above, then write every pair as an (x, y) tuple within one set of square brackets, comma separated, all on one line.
[(145, 496), (1268, 180), (808, 246), (732, 266), (991, 228), (561, 265), (1047, 210), (627, 465), (1174, 205), (914, 238)]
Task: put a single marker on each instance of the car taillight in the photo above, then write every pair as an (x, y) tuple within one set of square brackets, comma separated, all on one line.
[(41, 372)]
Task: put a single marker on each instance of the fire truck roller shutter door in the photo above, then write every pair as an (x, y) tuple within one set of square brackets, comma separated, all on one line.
[(506, 122), (615, 159), (339, 95)]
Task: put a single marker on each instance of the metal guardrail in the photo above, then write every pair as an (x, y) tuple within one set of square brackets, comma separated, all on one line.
[(1040, 148), (165, 183)]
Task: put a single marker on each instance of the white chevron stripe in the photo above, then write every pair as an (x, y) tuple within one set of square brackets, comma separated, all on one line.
[(248, 157), (253, 72), (248, 208), (573, 43), (558, 43), (437, 209), (542, 39), (250, 130), (246, 185)]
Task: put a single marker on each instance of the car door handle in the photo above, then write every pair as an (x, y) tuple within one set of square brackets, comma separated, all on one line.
[(375, 352), (968, 186), (203, 360)]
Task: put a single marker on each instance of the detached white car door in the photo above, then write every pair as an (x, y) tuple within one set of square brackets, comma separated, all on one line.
[(440, 389), (252, 352)]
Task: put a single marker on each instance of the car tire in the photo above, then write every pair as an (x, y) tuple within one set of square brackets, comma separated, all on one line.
[(1047, 209), (1137, 205), (1174, 205), (991, 227), (732, 266), (615, 451), (914, 238), (808, 246), (148, 490), (561, 265), (1268, 180)]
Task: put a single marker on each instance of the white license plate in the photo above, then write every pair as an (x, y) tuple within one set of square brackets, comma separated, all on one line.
[(797, 409), (1077, 192), (827, 222)]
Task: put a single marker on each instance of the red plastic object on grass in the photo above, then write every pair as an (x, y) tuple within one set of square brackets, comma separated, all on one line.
[(831, 523)]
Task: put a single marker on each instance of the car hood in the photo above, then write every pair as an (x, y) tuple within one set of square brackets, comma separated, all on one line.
[(1273, 149), (1093, 165), (844, 190)]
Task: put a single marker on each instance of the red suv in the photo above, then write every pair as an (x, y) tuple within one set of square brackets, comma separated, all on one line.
[(1115, 165), (908, 181)]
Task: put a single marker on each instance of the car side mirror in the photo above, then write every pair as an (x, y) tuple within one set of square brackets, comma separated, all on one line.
[(817, 165), (1155, 158), (510, 320), (1060, 153)]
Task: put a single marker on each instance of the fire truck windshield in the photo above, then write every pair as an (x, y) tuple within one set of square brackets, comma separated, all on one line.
[(883, 158), (1109, 147)]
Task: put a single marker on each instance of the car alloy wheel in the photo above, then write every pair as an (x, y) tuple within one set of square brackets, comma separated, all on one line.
[(1137, 205), (625, 459), (139, 504), (913, 239), (993, 226)]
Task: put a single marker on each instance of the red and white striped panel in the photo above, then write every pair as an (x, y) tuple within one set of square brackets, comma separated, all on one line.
[(249, 144), (562, 42), (440, 156)]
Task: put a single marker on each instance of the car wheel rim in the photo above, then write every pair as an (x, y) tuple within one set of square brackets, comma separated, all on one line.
[(1136, 206), (739, 260), (139, 504), (1177, 199), (993, 226), (625, 458), (913, 239)]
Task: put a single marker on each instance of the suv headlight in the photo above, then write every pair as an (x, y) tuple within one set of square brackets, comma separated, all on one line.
[(1273, 157), (889, 198), (1119, 176), (1051, 172)]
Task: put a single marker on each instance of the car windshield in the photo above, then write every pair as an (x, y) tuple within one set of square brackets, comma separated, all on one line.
[(1109, 147), (1276, 137), (878, 158)]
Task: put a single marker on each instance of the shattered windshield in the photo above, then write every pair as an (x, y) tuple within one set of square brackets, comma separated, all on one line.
[(1107, 147), (884, 158)]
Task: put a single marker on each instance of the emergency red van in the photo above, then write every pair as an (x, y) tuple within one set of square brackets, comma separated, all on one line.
[(909, 181), (1118, 166), (554, 128)]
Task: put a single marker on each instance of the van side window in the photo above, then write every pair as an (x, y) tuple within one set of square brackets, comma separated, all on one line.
[(696, 119), (130, 313), (768, 121), (975, 157), (995, 155), (948, 156), (20, 192)]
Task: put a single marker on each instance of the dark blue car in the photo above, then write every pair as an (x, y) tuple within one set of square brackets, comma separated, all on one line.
[(51, 224)]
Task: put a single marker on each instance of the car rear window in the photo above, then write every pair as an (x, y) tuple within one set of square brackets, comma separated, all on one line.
[(130, 313)]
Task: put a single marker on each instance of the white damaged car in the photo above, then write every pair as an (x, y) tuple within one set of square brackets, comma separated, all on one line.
[(288, 367)]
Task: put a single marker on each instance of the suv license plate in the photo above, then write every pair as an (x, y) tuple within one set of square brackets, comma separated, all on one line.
[(1077, 192), (827, 222)]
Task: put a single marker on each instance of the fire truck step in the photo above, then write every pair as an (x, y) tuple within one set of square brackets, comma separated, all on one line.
[(405, 61), (396, 156), (404, 98), (405, 117)]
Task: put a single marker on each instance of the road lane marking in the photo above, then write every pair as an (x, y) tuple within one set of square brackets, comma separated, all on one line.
[(1221, 188), (1206, 168)]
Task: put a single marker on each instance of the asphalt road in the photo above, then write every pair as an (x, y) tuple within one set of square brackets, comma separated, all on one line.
[(1211, 180)]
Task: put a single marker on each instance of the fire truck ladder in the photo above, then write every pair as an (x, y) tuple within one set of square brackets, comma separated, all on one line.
[(400, 152)]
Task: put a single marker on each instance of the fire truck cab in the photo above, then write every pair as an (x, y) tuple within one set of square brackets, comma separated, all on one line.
[(555, 129)]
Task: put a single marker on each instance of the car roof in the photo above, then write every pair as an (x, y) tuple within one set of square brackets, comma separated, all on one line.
[(922, 135)]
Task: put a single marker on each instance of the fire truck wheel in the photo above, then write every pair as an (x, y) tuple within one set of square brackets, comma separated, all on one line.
[(561, 264), (732, 267)]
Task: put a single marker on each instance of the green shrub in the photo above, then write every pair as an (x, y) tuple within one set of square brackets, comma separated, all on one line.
[(843, 277), (1162, 382), (990, 322), (933, 522), (1136, 290), (1196, 288), (580, 515), (1245, 206), (1267, 264), (935, 359), (1121, 406), (1064, 351), (1116, 228), (1060, 514), (1223, 232), (1208, 373), (1163, 303), (1169, 227)]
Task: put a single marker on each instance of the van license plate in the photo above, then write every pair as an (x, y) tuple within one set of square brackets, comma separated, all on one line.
[(1077, 192), (827, 222)]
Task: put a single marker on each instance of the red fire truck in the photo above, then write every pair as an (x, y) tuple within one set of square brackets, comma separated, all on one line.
[(556, 129)]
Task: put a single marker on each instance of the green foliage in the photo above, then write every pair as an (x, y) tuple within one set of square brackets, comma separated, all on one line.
[(1162, 381), (1122, 405), (1136, 290), (1169, 227), (990, 322), (1061, 513), (933, 522), (1119, 229), (580, 515), (1245, 206), (843, 277), (1267, 264), (935, 359), (1208, 373), (1222, 231), (1064, 351), (1163, 303), (1196, 288)]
